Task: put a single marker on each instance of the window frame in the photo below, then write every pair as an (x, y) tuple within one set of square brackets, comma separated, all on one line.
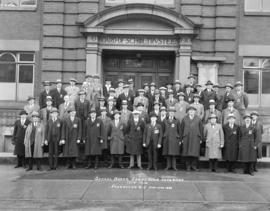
[(173, 5), (19, 7), (260, 11)]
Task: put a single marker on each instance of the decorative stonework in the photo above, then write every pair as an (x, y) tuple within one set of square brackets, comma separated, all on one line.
[(207, 71)]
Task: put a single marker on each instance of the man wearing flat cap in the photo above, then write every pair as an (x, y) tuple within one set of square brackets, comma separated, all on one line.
[(208, 94), (46, 92), (58, 94), (191, 137), (20, 126), (72, 90)]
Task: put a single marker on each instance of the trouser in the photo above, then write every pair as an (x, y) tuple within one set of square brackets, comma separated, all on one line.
[(139, 160), (230, 165), (171, 162), (20, 160), (191, 162), (96, 160), (71, 162), (152, 156), (255, 166), (213, 164), (119, 159), (31, 163), (248, 167), (53, 154)]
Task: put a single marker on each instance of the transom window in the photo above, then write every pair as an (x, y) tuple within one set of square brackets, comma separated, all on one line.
[(169, 3), (16, 75), (256, 80), (257, 6), (18, 3)]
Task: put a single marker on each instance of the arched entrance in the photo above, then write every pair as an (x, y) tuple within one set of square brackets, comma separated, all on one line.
[(136, 31)]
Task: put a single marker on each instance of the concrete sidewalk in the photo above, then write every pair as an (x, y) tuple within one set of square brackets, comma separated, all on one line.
[(117, 189)]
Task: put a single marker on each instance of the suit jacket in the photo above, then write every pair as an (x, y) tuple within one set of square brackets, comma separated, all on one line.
[(63, 110), (53, 130), (82, 109), (42, 98), (206, 96), (189, 97), (129, 98), (153, 135), (58, 96), (44, 114)]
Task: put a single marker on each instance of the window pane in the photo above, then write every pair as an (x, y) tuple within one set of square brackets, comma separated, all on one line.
[(7, 72), (265, 82), (266, 5), (26, 57), (10, 3), (28, 2), (252, 5), (251, 62), (251, 81), (266, 63), (26, 74), (7, 57)]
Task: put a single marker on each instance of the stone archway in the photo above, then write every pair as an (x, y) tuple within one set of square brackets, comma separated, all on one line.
[(139, 27)]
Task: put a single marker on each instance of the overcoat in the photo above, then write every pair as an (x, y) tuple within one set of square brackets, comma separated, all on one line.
[(181, 110), (241, 102), (107, 130), (71, 132), (200, 109), (231, 142), (134, 132), (58, 96), (94, 132), (117, 145), (72, 91), (63, 110), (207, 113), (125, 116), (206, 96), (44, 113), (18, 137), (191, 136), (129, 98), (214, 137), (153, 135), (143, 100), (42, 98), (259, 127), (227, 111), (248, 140), (171, 138), (39, 139), (82, 109), (29, 109)]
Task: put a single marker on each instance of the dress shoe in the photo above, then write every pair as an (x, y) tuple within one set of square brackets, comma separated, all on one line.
[(121, 166), (17, 166), (130, 167), (166, 169), (155, 168), (95, 167), (141, 168), (110, 166), (148, 168), (175, 169), (88, 166), (251, 173), (29, 169)]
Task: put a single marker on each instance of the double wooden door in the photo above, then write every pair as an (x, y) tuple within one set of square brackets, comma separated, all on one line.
[(142, 67)]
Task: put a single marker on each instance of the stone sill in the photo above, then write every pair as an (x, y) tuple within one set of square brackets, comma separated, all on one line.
[(25, 9), (250, 13), (12, 104)]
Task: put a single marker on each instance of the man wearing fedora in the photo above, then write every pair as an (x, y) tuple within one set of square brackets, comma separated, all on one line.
[(58, 94), (141, 99), (228, 93), (231, 110), (31, 106), (177, 88), (188, 94), (208, 94), (72, 90), (45, 113), (34, 141), (20, 126), (212, 110), (241, 99), (127, 96), (52, 138), (181, 107), (191, 137), (119, 89), (43, 95)]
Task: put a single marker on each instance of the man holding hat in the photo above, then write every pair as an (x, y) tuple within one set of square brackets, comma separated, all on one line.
[(231, 110), (71, 137), (248, 145), (171, 139), (58, 94), (141, 99), (126, 95), (33, 141), (208, 94), (231, 142), (93, 135), (18, 138), (43, 95), (152, 140), (241, 98), (45, 113), (191, 137), (31, 106), (72, 90), (259, 127), (214, 143), (134, 132), (52, 137)]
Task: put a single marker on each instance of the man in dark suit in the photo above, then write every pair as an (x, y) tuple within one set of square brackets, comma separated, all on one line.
[(43, 95), (52, 138), (188, 94), (58, 94), (106, 88), (126, 95), (208, 94), (18, 138), (152, 140)]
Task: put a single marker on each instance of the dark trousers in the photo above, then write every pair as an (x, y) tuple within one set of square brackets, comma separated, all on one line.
[(31, 163), (248, 167), (171, 162), (96, 158), (53, 154), (20, 160), (191, 162), (71, 162), (231, 165), (213, 164), (152, 153), (119, 160)]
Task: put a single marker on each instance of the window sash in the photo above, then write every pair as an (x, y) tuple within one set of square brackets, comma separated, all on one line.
[(17, 3)]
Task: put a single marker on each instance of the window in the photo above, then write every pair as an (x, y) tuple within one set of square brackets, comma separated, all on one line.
[(256, 80), (169, 3), (257, 6), (16, 75), (5, 4)]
